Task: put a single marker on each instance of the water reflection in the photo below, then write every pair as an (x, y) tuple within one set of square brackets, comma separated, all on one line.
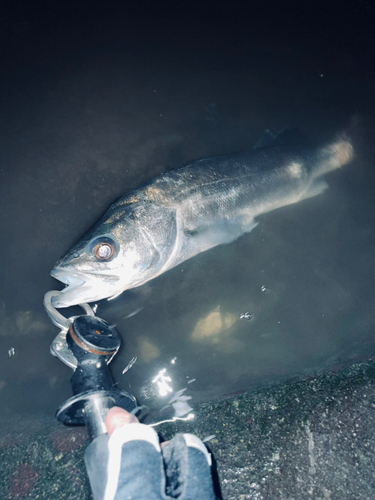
[(93, 131), (162, 380)]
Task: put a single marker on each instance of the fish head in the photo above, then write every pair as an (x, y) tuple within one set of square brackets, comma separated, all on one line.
[(111, 258)]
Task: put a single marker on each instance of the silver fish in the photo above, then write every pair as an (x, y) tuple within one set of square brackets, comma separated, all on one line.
[(189, 210)]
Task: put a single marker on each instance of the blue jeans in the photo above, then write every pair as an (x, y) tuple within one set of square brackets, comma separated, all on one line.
[(131, 465)]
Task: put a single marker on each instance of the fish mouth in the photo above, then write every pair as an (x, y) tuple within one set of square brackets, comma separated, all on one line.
[(82, 287), (73, 279)]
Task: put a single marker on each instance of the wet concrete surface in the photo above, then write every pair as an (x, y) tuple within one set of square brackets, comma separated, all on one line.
[(310, 439)]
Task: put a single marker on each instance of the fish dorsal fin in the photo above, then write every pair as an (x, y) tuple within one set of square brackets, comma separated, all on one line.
[(267, 139), (286, 136)]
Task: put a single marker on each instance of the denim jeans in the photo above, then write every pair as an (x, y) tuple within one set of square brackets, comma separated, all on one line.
[(131, 465)]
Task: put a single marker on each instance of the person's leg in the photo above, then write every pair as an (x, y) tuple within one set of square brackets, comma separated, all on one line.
[(135, 466), (188, 469), (182, 472)]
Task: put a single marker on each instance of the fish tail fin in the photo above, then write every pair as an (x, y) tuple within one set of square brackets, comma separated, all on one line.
[(334, 156)]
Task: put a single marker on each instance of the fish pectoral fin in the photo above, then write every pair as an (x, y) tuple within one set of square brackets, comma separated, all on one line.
[(248, 224), (220, 232), (316, 188)]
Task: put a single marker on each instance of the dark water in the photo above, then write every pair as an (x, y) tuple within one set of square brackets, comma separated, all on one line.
[(95, 101)]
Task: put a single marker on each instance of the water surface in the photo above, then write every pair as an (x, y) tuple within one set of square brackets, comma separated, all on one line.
[(95, 103)]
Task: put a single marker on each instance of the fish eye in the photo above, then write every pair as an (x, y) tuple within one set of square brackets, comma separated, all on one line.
[(103, 248)]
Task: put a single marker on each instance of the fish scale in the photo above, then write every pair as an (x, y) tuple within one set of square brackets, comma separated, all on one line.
[(189, 210)]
